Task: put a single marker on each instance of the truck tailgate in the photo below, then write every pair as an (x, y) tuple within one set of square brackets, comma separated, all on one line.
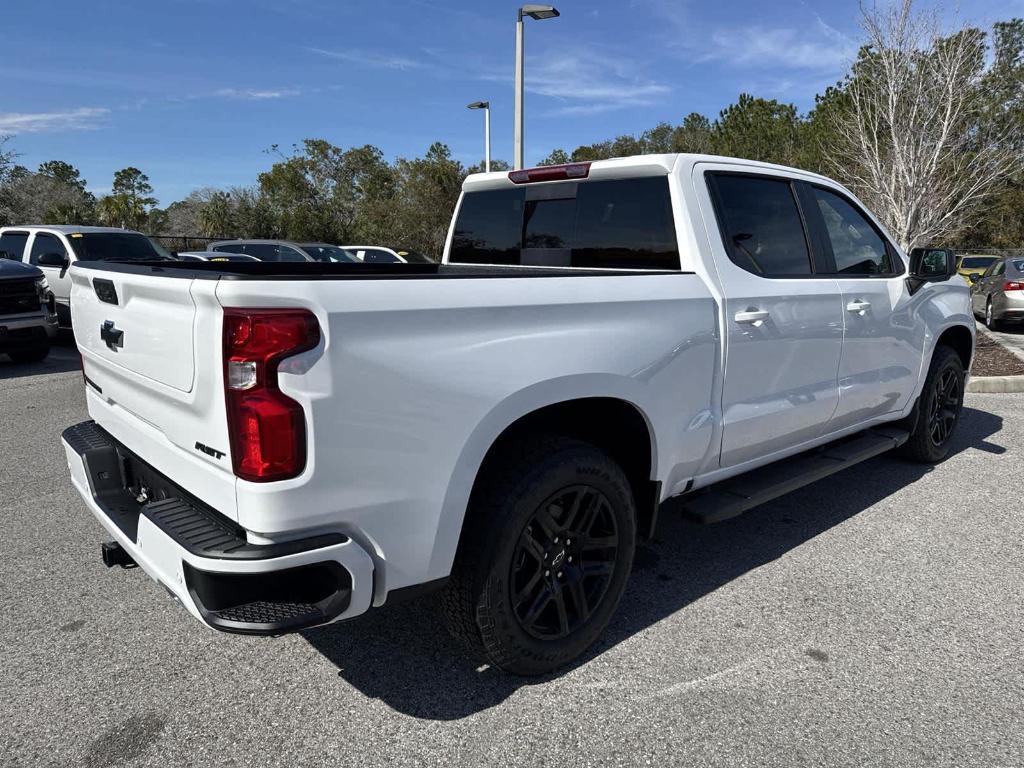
[(140, 336), (159, 313)]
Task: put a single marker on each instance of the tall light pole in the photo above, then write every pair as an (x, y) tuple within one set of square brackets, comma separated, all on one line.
[(538, 12), (486, 107)]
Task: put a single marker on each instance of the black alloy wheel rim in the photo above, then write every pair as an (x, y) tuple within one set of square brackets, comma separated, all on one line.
[(945, 406), (563, 562)]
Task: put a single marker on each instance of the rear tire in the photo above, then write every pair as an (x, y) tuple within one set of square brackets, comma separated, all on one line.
[(545, 554), (938, 410), (30, 355)]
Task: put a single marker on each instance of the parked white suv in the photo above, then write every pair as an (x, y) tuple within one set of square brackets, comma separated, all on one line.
[(288, 445), (55, 248)]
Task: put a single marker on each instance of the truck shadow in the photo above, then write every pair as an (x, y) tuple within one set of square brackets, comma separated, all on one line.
[(63, 358), (403, 655)]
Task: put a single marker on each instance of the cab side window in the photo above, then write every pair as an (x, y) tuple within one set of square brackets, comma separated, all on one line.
[(12, 245), (857, 247), (44, 244), (761, 226)]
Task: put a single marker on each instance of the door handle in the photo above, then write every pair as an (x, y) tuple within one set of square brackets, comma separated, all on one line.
[(752, 316), (858, 306)]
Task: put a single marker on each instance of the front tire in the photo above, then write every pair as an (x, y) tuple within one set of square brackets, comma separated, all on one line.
[(939, 408), (545, 555)]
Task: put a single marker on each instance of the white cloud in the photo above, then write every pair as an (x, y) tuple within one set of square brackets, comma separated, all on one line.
[(254, 94), (80, 119), (590, 81), (371, 59), (825, 49)]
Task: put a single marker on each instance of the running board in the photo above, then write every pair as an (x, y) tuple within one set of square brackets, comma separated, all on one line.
[(738, 494)]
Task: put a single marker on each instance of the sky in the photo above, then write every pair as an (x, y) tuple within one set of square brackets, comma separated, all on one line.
[(196, 92)]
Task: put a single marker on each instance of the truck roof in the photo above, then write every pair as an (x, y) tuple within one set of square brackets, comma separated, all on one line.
[(636, 165), (67, 229)]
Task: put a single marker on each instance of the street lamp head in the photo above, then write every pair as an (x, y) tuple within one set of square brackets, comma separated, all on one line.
[(479, 105), (538, 11)]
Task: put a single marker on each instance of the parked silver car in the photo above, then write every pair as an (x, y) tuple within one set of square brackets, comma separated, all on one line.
[(283, 250), (998, 294)]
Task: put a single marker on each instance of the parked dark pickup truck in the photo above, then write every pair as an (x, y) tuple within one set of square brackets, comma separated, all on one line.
[(28, 318)]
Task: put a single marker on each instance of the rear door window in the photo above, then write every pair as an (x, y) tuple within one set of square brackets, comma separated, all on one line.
[(12, 245), (761, 226), (45, 243), (613, 224)]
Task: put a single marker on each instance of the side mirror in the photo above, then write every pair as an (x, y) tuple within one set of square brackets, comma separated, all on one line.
[(974, 277), (932, 263), (58, 260)]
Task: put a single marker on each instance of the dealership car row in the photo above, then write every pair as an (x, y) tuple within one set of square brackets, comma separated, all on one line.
[(35, 296)]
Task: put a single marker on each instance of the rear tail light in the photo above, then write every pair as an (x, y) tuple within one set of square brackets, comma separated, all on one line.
[(550, 173), (1013, 286), (267, 428)]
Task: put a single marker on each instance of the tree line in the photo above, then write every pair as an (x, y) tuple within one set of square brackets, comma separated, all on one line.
[(927, 128)]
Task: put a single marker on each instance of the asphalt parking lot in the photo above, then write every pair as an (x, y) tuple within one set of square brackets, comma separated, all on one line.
[(875, 618)]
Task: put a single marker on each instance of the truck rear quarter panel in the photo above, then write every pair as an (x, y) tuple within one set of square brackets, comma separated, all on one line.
[(415, 379)]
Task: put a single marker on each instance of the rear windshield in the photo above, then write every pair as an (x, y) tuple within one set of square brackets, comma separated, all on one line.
[(615, 224), (107, 246), (976, 262)]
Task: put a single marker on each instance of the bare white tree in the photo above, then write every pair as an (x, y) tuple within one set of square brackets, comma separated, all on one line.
[(917, 140)]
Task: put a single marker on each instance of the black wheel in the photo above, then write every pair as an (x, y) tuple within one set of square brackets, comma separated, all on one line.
[(545, 555), (939, 409), (30, 355)]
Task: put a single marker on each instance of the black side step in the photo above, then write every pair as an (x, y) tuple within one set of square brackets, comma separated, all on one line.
[(735, 496)]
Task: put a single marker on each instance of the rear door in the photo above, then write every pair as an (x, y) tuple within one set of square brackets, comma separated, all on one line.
[(783, 318), (884, 340)]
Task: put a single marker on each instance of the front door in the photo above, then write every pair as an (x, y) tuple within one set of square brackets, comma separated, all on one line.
[(783, 321), (60, 282), (883, 344)]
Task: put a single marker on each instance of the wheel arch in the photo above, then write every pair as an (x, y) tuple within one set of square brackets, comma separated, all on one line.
[(961, 340), (602, 410)]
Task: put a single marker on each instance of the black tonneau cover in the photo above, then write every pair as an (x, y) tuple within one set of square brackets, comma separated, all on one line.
[(284, 270)]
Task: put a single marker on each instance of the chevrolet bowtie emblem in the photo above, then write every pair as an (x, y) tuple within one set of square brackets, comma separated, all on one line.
[(111, 336)]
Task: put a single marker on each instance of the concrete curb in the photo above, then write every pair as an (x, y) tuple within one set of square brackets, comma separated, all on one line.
[(996, 384)]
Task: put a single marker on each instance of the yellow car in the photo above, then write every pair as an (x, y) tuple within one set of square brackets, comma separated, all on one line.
[(973, 264)]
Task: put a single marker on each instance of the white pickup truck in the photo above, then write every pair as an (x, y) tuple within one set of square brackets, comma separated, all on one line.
[(287, 445)]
